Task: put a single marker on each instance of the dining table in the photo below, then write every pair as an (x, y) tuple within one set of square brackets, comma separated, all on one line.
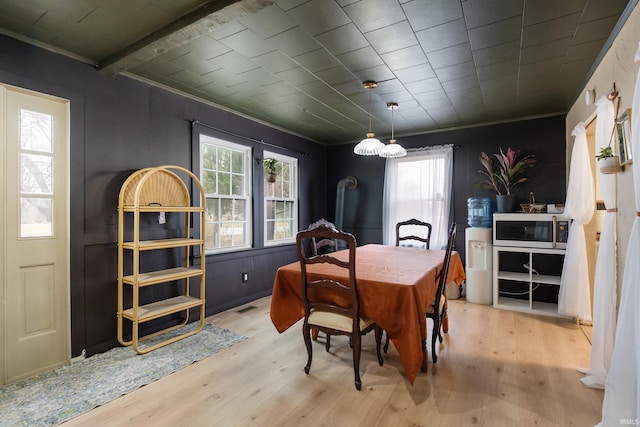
[(396, 285)]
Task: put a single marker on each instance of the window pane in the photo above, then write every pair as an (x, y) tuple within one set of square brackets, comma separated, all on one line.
[(286, 190), (237, 185), (36, 174), (36, 217), (237, 162), (239, 209), (212, 231), (213, 210), (238, 233), (209, 182), (226, 209), (224, 184), (208, 156), (271, 209), (224, 159), (285, 171), (270, 230), (35, 131)]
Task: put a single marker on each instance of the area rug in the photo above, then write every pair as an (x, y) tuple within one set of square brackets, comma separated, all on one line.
[(57, 396)]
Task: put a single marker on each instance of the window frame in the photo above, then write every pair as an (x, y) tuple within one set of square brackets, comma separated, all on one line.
[(294, 198), (247, 150)]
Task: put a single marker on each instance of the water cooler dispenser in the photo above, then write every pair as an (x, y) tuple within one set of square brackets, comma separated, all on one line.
[(479, 251)]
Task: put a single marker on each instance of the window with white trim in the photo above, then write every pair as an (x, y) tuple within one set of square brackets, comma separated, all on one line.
[(280, 198), (225, 173)]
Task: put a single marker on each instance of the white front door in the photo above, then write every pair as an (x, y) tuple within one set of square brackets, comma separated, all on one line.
[(34, 284)]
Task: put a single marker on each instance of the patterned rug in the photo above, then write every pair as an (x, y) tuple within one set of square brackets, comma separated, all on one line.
[(57, 396)]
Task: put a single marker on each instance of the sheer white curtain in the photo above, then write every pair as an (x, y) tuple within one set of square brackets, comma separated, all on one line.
[(604, 285), (574, 298), (622, 388), (419, 186)]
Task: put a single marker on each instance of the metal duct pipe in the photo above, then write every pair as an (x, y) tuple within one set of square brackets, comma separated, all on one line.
[(348, 183)]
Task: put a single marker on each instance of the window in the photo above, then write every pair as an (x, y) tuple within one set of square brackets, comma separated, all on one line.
[(225, 173), (280, 199), (419, 186)]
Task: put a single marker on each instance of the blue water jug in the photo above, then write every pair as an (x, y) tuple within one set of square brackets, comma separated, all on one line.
[(479, 212)]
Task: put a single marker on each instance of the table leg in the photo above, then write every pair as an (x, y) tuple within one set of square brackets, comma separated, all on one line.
[(423, 338), (445, 318), (314, 334)]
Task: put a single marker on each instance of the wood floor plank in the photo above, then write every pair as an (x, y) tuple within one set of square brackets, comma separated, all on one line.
[(495, 368)]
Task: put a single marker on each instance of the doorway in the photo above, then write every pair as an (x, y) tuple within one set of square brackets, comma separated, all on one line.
[(34, 217)]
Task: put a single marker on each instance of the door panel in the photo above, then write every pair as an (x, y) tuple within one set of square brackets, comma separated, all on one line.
[(36, 234)]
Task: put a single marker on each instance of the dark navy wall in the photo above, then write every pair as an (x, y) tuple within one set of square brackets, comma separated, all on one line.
[(544, 137), (119, 125)]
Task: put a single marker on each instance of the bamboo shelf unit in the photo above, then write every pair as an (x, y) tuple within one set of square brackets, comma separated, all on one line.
[(160, 190)]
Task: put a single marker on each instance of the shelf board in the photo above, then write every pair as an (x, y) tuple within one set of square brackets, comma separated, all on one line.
[(161, 276), (145, 245), (163, 308), (133, 208), (524, 277), (536, 307)]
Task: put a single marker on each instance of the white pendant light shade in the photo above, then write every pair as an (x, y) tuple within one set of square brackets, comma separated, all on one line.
[(369, 146), (392, 150)]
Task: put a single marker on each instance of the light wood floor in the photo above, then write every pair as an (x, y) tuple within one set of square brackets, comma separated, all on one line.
[(495, 368)]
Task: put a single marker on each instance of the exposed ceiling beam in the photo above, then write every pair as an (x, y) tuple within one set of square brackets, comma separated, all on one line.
[(194, 24)]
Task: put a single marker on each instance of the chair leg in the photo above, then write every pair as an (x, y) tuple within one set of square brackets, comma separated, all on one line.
[(327, 342), (356, 339), (306, 334), (434, 335), (442, 317), (445, 318), (378, 331), (386, 344)]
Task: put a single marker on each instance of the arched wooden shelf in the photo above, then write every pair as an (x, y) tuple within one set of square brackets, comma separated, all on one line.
[(162, 190)]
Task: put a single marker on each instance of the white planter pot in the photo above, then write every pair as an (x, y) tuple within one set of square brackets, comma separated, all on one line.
[(610, 165)]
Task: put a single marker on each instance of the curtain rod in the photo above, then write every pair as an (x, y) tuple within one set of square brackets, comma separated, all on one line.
[(248, 138)]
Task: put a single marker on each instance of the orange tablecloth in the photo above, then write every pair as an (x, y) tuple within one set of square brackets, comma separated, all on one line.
[(396, 285)]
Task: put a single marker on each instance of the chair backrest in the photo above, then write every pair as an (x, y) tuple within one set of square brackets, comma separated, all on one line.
[(329, 293), (330, 245), (414, 221), (442, 281)]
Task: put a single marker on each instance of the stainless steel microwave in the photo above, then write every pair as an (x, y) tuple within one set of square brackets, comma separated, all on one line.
[(537, 230)]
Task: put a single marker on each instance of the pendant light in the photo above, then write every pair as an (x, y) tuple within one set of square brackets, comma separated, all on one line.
[(392, 150), (369, 146)]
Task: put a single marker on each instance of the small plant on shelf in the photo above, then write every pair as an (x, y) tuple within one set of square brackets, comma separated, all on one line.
[(604, 153)]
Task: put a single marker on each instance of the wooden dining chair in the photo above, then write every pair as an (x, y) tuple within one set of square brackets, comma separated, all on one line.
[(330, 245), (425, 240), (330, 305), (438, 310), (412, 222)]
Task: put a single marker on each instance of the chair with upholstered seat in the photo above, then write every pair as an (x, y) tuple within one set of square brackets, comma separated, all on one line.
[(424, 241), (329, 245), (333, 306), (437, 310)]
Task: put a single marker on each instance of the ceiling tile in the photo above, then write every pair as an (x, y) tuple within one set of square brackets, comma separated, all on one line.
[(426, 85), (194, 64), (391, 38), (495, 54), (280, 88), (413, 74), (260, 75), (294, 42), (549, 30), (374, 14), (381, 73), (495, 34), (478, 13), (319, 16), (536, 12), (206, 47), (443, 36), (268, 22), (360, 59), (499, 69), (405, 58), (317, 60), (584, 51), (597, 9), (595, 30), (247, 44), (455, 72), (317, 88), (275, 62), (463, 84), (430, 13), (450, 56), (233, 62), (343, 39), (545, 51), (335, 75)]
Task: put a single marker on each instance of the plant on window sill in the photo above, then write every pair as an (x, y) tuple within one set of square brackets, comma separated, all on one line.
[(270, 169)]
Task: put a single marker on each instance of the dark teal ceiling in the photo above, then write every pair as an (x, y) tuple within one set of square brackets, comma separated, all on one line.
[(299, 64)]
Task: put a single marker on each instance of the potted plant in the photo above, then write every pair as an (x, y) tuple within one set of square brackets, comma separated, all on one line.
[(607, 162), (503, 172), (270, 169)]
